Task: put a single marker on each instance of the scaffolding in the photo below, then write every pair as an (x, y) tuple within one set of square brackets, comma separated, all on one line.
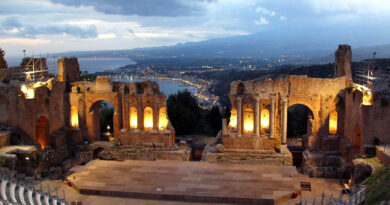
[(368, 74), (35, 68)]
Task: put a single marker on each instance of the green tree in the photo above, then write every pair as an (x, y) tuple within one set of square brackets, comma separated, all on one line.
[(214, 120), (84, 76), (183, 112), (3, 63)]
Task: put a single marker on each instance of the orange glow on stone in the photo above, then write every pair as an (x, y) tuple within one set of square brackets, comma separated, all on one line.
[(333, 122), (162, 119), (233, 119), (133, 118), (264, 119), (249, 117), (148, 118), (74, 119)]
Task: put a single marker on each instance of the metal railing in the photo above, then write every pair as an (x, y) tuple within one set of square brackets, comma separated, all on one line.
[(357, 197), (15, 189)]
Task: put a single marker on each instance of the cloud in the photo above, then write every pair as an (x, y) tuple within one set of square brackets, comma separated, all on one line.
[(354, 6), (169, 8), (265, 11), (261, 21), (282, 18), (25, 41), (10, 23), (107, 36), (12, 27)]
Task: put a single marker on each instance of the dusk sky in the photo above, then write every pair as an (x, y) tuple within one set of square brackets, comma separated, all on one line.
[(47, 26)]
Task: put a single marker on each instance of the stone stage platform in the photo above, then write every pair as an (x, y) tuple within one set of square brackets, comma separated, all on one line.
[(187, 181)]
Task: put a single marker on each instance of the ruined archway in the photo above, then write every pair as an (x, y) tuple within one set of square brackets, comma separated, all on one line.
[(133, 118), (102, 115), (299, 121), (249, 120), (233, 119), (148, 118), (162, 119), (299, 127), (42, 131), (96, 152)]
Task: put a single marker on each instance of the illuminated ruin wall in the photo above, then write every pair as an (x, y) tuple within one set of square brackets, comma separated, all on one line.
[(140, 116), (36, 108), (371, 121), (259, 114)]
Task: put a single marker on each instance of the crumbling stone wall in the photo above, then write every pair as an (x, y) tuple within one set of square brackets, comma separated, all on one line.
[(122, 96), (68, 69), (49, 102), (317, 94), (343, 59), (372, 120)]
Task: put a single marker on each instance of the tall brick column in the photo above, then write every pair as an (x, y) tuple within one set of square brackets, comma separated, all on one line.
[(272, 114), (239, 116), (257, 117), (284, 136)]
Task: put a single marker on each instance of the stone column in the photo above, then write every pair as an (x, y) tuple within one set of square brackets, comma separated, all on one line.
[(271, 117), (257, 117), (260, 109), (239, 116), (284, 135), (224, 129)]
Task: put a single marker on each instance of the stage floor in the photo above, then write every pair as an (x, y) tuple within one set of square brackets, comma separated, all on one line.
[(187, 181)]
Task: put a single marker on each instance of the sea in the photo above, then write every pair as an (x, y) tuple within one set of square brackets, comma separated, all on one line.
[(167, 87), (93, 65)]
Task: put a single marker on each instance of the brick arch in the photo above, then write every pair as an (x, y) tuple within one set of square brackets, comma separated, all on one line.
[(92, 124), (305, 103), (42, 131), (310, 126)]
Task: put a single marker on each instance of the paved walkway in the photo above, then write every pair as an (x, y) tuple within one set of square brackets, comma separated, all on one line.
[(187, 181)]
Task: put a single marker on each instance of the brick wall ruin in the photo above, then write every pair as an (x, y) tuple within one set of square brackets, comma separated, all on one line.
[(139, 111)]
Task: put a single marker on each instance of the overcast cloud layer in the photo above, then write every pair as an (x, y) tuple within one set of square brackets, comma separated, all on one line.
[(45, 26)]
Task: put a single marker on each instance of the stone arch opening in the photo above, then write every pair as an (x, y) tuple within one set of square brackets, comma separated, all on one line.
[(42, 131), (133, 118), (299, 121), (148, 118), (264, 121), (249, 120), (96, 152), (233, 119), (240, 89), (74, 116), (102, 113), (162, 119), (299, 127), (333, 123)]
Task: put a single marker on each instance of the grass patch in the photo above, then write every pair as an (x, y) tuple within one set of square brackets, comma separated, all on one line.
[(378, 186)]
